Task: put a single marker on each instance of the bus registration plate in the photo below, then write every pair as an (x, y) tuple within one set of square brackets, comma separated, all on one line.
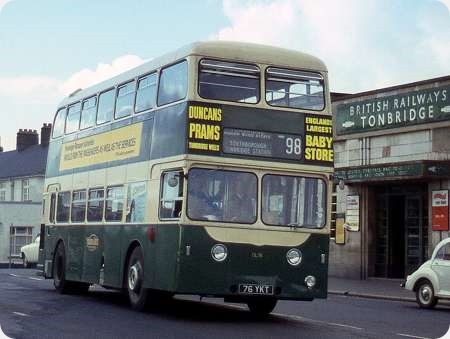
[(255, 289)]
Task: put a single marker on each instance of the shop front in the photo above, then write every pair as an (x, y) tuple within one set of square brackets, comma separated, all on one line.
[(392, 159)]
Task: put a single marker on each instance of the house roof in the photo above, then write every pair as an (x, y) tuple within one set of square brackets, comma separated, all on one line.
[(29, 162)]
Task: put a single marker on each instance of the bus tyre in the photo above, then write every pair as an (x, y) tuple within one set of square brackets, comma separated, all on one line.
[(62, 285), (137, 294), (425, 295), (261, 307), (59, 270)]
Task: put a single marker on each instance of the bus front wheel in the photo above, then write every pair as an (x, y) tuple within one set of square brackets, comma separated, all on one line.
[(137, 294), (261, 307)]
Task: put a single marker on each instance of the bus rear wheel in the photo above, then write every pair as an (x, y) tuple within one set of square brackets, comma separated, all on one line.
[(137, 294), (62, 285), (261, 307)]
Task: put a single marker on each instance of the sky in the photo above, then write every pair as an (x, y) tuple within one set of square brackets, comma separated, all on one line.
[(49, 48)]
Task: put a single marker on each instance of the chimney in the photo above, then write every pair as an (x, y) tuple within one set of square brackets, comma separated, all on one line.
[(26, 138), (45, 134)]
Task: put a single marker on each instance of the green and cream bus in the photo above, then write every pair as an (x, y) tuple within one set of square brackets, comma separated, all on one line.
[(204, 172)]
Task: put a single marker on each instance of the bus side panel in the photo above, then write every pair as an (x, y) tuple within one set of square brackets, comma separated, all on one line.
[(163, 256), (113, 254), (93, 247), (75, 244)]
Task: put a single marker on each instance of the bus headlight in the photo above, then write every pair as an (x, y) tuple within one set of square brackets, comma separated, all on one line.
[(294, 257), (310, 281), (219, 252)]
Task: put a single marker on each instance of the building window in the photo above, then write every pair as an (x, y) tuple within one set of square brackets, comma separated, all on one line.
[(2, 191), (20, 236), (333, 213), (25, 190)]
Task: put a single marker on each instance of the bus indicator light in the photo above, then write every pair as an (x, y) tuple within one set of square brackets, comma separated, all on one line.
[(151, 233)]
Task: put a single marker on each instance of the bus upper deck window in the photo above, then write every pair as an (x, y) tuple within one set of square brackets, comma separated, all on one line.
[(60, 120), (173, 83), (88, 111), (229, 81), (295, 89), (146, 93), (124, 100), (73, 118), (105, 107)]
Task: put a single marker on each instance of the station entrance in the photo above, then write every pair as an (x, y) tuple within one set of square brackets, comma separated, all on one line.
[(399, 229)]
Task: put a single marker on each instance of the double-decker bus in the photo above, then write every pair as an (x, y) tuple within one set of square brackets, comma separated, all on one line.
[(204, 172)]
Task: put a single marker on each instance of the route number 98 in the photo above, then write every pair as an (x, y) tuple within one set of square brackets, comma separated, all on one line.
[(293, 146)]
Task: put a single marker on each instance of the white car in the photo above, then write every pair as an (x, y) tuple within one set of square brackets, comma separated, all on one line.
[(30, 253), (431, 281)]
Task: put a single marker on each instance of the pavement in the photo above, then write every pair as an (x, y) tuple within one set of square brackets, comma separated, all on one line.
[(376, 288)]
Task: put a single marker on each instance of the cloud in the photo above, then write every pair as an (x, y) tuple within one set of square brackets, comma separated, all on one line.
[(365, 44), (32, 100), (87, 77), (446, 3), (3, 3), (26, 85)]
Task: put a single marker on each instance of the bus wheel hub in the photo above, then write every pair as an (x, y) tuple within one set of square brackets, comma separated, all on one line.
[(134, 279)]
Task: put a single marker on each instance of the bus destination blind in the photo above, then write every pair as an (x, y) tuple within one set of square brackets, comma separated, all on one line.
[(262, 144)]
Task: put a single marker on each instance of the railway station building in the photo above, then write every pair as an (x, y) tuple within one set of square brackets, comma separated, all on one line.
[(392, 176)]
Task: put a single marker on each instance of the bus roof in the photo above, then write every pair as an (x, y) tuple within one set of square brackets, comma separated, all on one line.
[(237, 51)]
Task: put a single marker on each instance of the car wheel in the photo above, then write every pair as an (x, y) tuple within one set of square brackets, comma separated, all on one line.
[(62, 285), (261, 307), (137, 294), (425, 295)]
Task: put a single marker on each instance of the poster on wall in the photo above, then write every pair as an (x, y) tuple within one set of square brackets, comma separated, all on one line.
[(340, 231), (352, 213), (439, 210)]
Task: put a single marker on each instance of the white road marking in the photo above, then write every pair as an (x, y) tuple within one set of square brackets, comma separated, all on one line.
[(411, 336), (13, 275), (348, 326), (21, 314), (32, 278)]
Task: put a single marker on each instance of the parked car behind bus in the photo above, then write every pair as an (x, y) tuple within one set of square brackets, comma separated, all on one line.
[(431, 281), (30, 253)]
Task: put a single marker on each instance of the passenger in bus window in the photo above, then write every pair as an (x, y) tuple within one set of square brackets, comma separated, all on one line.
[(202, 205), (241, 205)]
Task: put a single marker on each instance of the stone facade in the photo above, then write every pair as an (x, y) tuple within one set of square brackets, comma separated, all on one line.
[(399, 162)]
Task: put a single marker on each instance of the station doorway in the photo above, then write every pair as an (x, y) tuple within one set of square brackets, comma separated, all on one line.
[(399, 229)]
